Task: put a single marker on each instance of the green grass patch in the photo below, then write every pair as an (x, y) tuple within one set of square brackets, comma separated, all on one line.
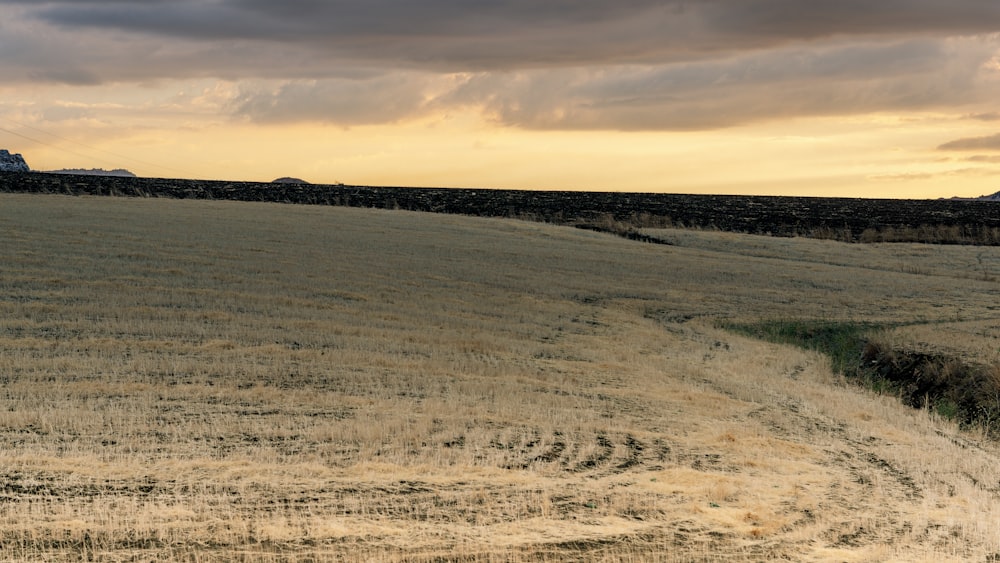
[(967, 394), (843, 342)]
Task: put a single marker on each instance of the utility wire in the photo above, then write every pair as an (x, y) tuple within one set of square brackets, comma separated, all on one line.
[(84, 145), (32, 139)]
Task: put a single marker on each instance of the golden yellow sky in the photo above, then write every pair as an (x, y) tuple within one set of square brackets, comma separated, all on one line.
[(720, 96)]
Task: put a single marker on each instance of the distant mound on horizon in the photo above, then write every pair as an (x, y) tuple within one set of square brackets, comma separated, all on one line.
[(288, 180), (120, 172)]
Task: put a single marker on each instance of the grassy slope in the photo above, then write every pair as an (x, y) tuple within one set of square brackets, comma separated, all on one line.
[(213, 379)]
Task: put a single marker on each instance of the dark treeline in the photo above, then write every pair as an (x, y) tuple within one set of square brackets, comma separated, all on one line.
[(943, 221)]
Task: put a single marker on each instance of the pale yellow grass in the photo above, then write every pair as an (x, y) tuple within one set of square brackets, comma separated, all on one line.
[(218, 381), (975, 342)]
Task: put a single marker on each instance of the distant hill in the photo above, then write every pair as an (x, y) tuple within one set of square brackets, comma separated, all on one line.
[(120, 172), (287, 180)]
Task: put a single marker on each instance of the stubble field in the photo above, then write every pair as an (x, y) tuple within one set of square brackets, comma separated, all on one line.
[(216, 381)]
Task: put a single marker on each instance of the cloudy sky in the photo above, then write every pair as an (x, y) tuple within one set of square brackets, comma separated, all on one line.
[(895, 98)]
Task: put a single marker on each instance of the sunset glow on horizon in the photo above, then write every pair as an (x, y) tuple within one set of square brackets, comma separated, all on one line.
[(775, 97)]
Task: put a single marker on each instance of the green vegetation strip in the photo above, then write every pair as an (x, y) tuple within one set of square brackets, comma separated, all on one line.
[(968, 394), (843, 342)]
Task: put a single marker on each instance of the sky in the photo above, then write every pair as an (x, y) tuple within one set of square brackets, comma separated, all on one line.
[(894, 98)]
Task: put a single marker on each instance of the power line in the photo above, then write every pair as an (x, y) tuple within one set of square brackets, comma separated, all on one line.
[(84, 145), (32, 139)]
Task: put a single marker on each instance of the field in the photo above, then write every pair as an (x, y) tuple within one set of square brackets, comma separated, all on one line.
[(218, 381)]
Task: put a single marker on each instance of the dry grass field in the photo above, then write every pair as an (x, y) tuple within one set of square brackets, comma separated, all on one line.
[(219, 381)]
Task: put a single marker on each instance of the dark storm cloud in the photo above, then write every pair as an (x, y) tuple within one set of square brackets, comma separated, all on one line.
[(990, 143), (333, 20), (621, 64), (464, 35), (829, 80), (803, 19), (347, 102), (73, 76), (437, 35)]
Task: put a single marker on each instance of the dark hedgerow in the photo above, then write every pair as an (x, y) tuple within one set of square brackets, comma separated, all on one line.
[(942, 221), (967, 393)]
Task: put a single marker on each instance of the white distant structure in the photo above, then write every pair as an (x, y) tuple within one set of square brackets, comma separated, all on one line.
[(12, 162), (120, 172)]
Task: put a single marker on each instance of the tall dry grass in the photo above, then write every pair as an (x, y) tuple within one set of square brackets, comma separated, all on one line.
[(220, 381)]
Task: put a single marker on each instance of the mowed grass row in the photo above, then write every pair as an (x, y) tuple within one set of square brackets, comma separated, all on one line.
[(216, 380)]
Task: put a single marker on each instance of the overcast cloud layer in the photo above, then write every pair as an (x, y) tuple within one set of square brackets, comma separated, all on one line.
[(551, 64)]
